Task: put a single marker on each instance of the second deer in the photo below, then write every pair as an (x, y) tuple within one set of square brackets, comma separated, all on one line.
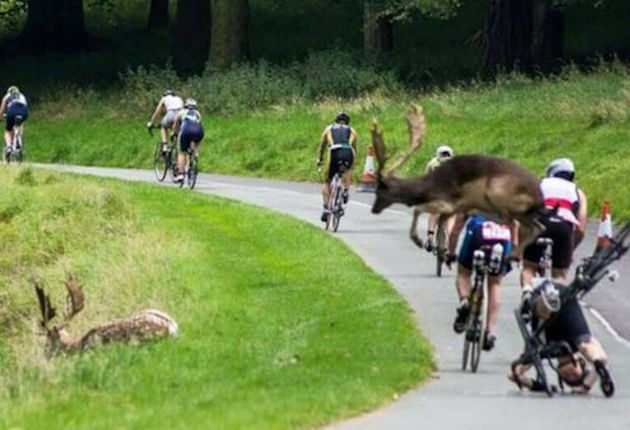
[(143, 326)]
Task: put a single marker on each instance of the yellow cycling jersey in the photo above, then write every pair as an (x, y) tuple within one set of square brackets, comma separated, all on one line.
[(339, 135)]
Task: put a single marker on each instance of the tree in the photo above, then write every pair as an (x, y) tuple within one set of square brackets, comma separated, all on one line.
[(54, 25), (230, 35), (192, 39), (158, 14), (379, 17)]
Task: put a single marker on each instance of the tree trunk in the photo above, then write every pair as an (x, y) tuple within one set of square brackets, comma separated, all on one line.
[(158, 14), (507, 38), (230, 36), (547, 34), (55, 25), (192, 38), (378, 34)]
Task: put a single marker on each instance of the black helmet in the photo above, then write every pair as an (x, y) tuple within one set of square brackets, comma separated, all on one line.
[(168, 93), (342, 117)]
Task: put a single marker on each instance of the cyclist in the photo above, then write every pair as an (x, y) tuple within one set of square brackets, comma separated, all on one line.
[(565, 225), (168, 107), (442, 154), (480, 232), (341, 140), (13, 105), (189, 130)]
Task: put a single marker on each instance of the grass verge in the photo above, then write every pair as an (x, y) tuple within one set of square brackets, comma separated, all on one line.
[(269, 339)]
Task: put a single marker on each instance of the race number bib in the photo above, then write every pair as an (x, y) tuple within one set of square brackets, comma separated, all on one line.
[(493, 231)]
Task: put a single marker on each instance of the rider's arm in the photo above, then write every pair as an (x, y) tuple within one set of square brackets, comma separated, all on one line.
[(3, 107), (158, 111), (582, 217), (323, 144), (353, 139)]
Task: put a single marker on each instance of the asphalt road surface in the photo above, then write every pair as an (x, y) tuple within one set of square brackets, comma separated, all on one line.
[(452, 399)]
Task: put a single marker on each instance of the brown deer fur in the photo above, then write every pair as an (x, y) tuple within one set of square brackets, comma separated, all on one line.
[(470, 184), (143, 326)]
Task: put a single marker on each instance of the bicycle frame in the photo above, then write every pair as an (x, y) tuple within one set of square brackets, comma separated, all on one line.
[(588, 274)]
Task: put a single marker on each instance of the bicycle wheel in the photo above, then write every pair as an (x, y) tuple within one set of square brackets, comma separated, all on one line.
[(466, 351), (541, 375), (440, 252), (192, 171), (338, 210), (160, 162), (475, 355)]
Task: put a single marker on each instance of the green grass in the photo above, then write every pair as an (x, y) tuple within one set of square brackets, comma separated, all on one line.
[(583, 116), (281, 325)]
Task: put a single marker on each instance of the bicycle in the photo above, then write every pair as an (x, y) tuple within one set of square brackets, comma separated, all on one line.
[(163, 161), (335, 203), (15, 152), (440, 253), (484, 258), (192, 168)]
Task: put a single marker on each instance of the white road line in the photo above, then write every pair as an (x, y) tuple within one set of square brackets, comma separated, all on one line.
[(609, 328)]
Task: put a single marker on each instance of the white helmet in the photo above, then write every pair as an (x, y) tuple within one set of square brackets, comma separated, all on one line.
[(190, 103), (561, 168), (443, 152)]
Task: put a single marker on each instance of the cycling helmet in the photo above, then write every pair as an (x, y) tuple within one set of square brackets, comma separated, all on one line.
[(168, 93), (13, 90), (190, 103), (342, 117), (443, 152), (561, 168)]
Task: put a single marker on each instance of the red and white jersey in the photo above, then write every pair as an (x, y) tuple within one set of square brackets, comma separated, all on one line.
[(563, 195)]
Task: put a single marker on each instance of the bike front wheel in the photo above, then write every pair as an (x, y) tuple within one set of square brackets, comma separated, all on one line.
[(160, 162)]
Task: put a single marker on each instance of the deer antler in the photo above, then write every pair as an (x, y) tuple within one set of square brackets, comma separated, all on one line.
[(417, 126), (47, 310), (379, 147), (76, 298)]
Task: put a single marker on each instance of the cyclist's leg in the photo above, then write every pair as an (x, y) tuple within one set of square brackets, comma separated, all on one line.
[(166, 126), (183, 143), (494, 303), (8, 130), (431, 228)]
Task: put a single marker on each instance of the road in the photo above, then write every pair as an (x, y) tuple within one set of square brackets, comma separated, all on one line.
[(453, 399)]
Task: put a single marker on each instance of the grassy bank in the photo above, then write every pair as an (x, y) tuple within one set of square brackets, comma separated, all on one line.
[(268, 339), (583, 116)]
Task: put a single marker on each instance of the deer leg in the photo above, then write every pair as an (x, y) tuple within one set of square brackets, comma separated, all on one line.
[(413, 231), (529, 230)]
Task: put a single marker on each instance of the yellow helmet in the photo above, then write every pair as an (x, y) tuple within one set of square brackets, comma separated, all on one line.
[(13, 90)]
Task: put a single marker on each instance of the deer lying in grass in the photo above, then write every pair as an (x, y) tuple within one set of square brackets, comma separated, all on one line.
[(143, 326), (481, 184)]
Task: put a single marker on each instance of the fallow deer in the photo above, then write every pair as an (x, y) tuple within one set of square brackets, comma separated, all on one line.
[(143, 326), (466, 184)]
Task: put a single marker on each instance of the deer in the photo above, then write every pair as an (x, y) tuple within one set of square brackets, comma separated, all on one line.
[(495, 187), (143, 326)]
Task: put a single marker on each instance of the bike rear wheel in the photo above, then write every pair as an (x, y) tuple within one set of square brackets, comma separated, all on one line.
[(337, 208), (161, 161), (440, 253), (465, 352), (193, 169)]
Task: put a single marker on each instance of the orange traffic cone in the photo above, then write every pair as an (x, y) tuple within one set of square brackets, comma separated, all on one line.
[(605, 232), (368, 180)]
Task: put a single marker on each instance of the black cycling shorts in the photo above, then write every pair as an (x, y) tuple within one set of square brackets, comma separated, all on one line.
[(13, 112), (569, 325), (341, 160), (562, 234), (188, 134)]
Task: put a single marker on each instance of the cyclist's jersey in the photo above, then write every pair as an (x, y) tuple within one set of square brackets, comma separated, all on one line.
[(189, 117), (433, 164), (16, 99), (339, 136), (563, 196), (173, 103)]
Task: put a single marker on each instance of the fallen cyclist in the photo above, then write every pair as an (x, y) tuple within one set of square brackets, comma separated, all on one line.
[(481, 232)]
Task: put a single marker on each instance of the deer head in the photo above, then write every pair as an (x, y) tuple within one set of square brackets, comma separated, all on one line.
[(56, 337), (388, 186)]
